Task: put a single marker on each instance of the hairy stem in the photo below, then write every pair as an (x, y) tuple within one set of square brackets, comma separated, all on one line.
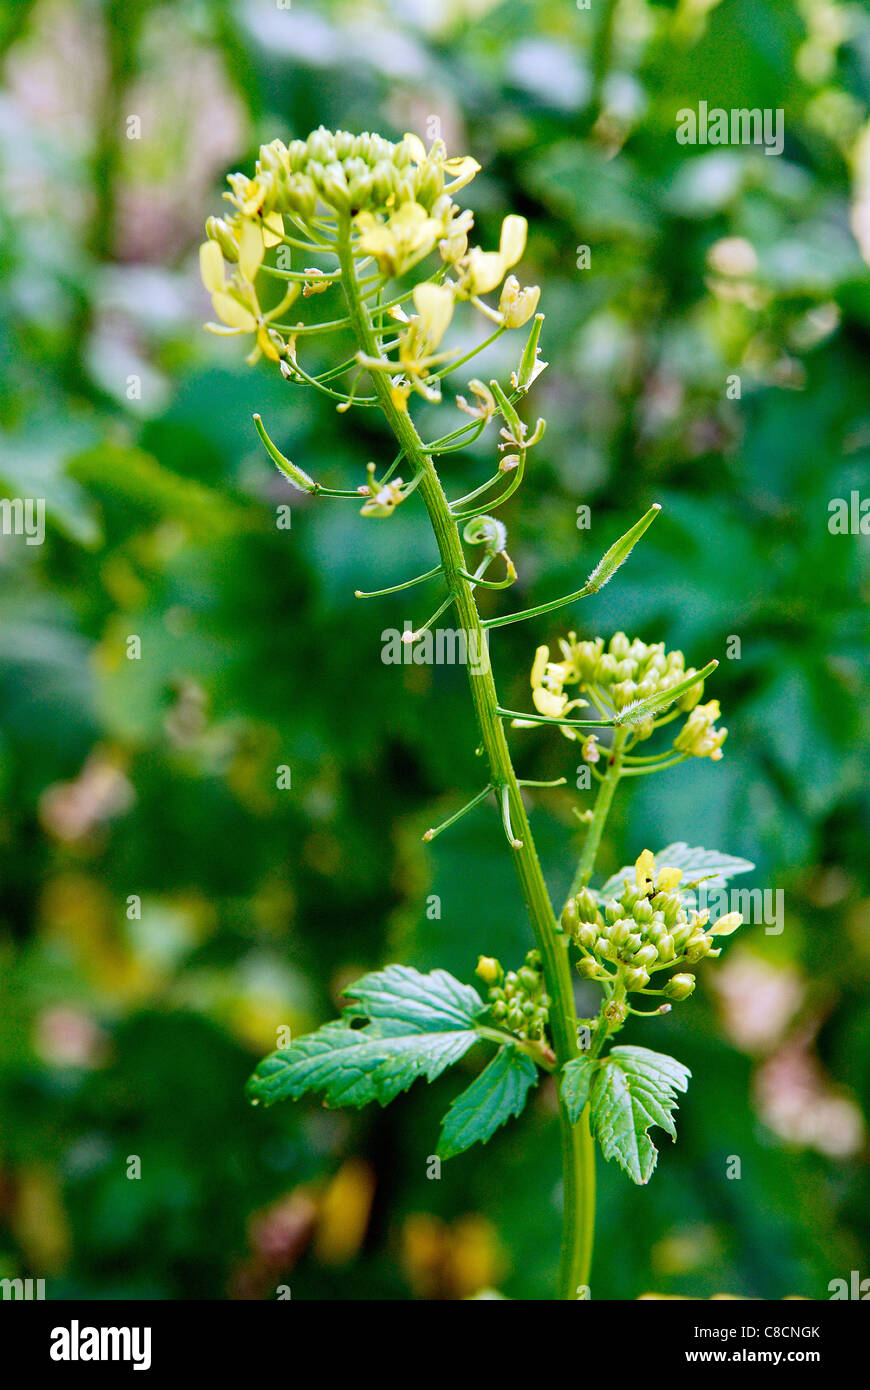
[(577, 1147)]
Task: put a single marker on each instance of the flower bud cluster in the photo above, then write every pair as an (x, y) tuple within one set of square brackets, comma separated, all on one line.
[(620, 674), (645, 930), (519, 1001)]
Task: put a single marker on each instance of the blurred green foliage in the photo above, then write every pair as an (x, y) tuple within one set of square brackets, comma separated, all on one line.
[(130, 1033)]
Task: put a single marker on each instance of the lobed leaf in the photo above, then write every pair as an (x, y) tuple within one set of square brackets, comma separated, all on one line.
[(353, 1066), (634, 1089), (575, 1085), (499, 1093)]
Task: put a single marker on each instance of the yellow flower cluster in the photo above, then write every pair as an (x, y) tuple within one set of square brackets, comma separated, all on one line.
[(617, 676), (390, 201), (644, 930)]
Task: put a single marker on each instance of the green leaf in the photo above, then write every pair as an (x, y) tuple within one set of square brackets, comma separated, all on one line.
[(576, 1081), (499, 1092), (432, 1002), (414, 1025), (710, 865), (353, 1066), (633, 1089)]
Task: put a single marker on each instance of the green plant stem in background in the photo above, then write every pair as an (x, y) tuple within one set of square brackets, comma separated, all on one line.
[(577, 1147), (601, 810)]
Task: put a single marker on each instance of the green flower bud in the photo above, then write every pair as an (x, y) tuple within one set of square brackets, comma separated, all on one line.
[(533, 960), (301, 195), (587, 936), (666, 948), (646, 955), (529, 1009), (499, 1010), (612, 911), (642, 911), (489, 970), (587, 968), (680, 986), (587, 905), (634, 943), (671, 912), (605, 669), (570, 918), (681, 935), (619, 645), (320, 145), (636, 978), (218, 230), (697, 948), (335, 189), (297, 153), (619, 932), (528, 978)]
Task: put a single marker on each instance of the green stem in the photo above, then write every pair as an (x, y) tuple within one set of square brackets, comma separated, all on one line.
[(577, 1148), (603, 802)]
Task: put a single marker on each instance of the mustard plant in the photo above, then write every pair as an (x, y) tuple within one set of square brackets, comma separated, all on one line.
[(365, 235)]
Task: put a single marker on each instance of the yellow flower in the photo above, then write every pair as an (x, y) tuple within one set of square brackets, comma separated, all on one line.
[(482, 271), (668, 879), (727, 924), (547, 679), (423, 334), (644, 868), (235, 301), (460, 170), (516, 305), (401, 241)]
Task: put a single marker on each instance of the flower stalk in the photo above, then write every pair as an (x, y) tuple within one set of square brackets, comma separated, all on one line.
[(578, 1155), (362, 199)]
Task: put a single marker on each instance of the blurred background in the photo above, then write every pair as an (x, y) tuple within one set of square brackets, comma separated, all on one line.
[(165, 907)]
